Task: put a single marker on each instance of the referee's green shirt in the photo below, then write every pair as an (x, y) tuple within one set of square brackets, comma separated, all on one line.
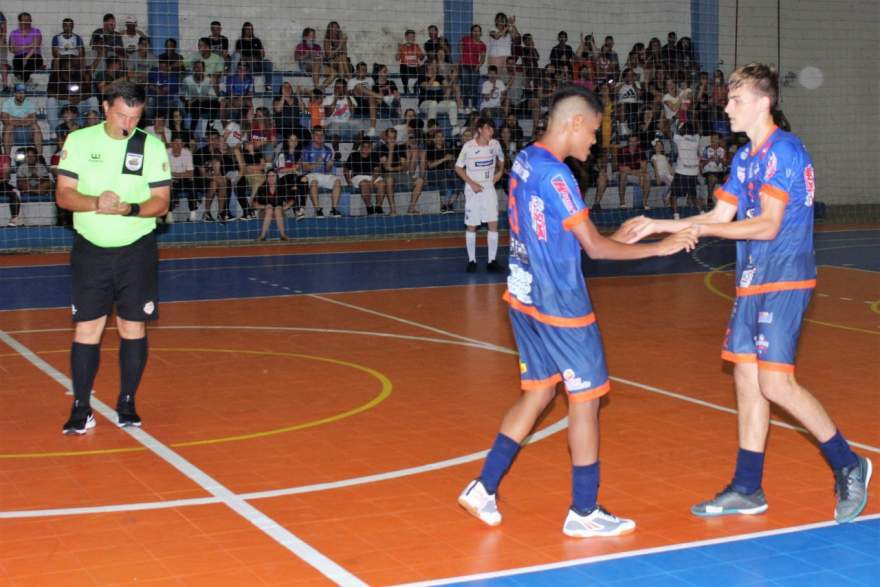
[(100, 163)]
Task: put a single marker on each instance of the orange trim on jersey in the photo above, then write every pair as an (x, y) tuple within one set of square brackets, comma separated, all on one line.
[(585, 396), (771, 366), (726, 196), (753, 290), (755, 149), (533, 384), (548, 149), (575, 219), (774, 192), (559, 321), (739, 357)]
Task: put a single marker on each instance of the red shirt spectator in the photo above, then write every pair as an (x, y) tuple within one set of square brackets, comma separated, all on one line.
[(631, 156), (472, 51)]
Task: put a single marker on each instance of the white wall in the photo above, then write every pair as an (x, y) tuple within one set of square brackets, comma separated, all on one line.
[(840, 121)]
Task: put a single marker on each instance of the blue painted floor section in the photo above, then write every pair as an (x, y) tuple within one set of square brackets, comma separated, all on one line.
[(832, 556)]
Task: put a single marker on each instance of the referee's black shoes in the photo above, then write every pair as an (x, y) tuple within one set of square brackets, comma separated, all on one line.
[(81, 419), (126, 414)]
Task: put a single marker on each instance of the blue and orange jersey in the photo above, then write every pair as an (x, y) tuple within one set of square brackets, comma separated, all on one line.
[(546, 280), (780, 168)]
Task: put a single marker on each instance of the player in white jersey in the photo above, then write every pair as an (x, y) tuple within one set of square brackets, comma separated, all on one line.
[(480, 165)]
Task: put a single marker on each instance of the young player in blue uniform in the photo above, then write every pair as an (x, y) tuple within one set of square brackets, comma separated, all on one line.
[(770, 191), (551, 314)]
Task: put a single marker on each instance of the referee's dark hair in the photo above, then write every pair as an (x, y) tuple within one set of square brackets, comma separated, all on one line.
[(572, 91), (131, 93)]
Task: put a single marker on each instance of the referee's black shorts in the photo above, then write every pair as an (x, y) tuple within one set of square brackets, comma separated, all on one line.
[(125, 276)]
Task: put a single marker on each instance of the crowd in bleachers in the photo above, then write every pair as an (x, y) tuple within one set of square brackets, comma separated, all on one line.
[(235, 124)]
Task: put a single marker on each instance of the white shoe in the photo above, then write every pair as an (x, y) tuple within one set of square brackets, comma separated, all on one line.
[(193, 216), (676, 216), (169, 218), (480, 503), (14, 221), (597, 523)]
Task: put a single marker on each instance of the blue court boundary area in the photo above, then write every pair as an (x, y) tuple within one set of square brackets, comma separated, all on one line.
[(217, 278), (838, 555)]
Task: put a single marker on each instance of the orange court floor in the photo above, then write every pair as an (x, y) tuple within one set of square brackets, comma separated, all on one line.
[(323, 436)]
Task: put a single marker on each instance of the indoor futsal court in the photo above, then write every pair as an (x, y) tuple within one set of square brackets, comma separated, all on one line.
[(311, 413)]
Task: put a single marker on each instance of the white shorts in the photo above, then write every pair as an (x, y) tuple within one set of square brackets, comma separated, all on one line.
[(325, 180), (480, 207), (357, 180)]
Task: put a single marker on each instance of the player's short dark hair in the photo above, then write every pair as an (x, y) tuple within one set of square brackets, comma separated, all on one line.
[(485, 120), (109, 16), (131, 93), (762, 78), (572, 91), (215, 23)]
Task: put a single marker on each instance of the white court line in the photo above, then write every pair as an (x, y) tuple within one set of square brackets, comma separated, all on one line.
[(264, 523), (633, 553)]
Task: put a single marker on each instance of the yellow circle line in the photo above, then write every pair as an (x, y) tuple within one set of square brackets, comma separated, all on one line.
[(711, 287), (382, 396)]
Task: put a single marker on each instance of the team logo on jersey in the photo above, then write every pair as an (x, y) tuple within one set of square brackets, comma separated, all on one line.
[(765, 317), (754, 168), (519, 284), (741, 173), (95, 157), (521, 169), (573, 382), (149, 308), (523, 368), (539, 224), (133, 161), (745, 280), (561, 187), (810, 183), (484, 163), (770, 170), (743, 155), (762, 344)]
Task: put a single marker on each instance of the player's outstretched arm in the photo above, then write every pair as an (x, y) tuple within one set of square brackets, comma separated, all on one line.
[(635, 229), (600, 247), (765, 226)]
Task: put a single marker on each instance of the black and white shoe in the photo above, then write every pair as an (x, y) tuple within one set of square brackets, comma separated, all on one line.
[(126, 415), (81, 420)]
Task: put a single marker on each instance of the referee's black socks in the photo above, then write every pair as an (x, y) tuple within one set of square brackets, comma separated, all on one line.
[(132, 361), (84, 361)]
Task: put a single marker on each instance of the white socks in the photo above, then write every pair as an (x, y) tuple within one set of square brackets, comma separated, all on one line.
[(493, 245), (470, 239)]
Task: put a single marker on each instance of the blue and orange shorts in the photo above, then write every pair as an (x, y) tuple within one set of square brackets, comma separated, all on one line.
[(765, 328), (551, 354)]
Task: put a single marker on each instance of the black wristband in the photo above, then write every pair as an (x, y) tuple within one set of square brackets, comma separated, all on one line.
[(134, 209)]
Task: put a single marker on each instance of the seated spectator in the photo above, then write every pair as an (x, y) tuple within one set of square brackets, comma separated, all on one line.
[(32, 175), (632, 166), (112, 71), (92, 118), (178, 127), (317, 164), (251, 176), (272, 200), (390, 105), (67, 44), (363, 172), (26, 43), (662, 168), (440, 165), (163, 88), (263, 134), (7, 192), (175, 59), (69, 122), (106, 42), (290, 175), (361, 88), (182, 174), (250, 51), (19, 117), (339, 110), (309, 56), (562, 55), (213, 64), (336, 51), (131, 36), (435, 96), (212, 164), (395, 168), (239, 89), (713, 165), (449, 71), (218, 42), (492, 93), (501, 40), (200, 97), (68, 86), (141, 62), (159, 128), (410, 57)]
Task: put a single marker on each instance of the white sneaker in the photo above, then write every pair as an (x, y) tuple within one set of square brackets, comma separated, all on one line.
[(480, 503), (676, 216), (193, 216), (14, 221), (169, 218), (597, 523)]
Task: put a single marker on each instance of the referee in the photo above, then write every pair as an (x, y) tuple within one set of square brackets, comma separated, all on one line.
[(116, 180)]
